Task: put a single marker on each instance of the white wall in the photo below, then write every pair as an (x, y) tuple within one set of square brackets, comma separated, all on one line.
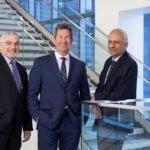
[(107, 15)]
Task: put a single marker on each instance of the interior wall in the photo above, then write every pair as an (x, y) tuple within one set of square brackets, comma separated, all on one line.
[(107, 12)]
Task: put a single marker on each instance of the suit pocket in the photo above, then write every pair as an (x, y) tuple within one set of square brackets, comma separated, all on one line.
[(45, 109)]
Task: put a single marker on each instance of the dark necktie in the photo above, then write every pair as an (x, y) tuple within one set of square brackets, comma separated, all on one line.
[(110, 69), (63, 71), (16, 76)]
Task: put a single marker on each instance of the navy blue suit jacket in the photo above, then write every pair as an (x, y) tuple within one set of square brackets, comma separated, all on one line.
[(45, 79)]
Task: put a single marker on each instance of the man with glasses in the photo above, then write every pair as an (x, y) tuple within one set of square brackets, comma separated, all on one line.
[(14, 115)]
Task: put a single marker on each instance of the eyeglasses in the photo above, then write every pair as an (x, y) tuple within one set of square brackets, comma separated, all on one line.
[(8, 43)]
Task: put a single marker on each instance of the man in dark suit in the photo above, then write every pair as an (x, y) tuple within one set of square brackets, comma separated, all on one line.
[(61, 81), (117, 81), (13, 96)]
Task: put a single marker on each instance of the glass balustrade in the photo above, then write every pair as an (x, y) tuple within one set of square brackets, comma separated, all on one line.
[(121, 125)]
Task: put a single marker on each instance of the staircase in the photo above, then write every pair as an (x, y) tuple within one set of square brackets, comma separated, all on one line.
[(32, 43)]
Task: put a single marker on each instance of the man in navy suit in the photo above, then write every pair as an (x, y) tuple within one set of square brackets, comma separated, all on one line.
[(14, 115), (117, 81), (58, 110)]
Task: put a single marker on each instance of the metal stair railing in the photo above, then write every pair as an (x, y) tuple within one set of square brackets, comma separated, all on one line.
[(96, 42)]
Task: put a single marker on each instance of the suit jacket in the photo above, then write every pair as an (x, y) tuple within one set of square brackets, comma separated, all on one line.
[(13, 105), (120, 85), (45, 79)]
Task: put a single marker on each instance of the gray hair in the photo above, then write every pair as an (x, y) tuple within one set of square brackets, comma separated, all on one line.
[(4, 36), (124, 34)]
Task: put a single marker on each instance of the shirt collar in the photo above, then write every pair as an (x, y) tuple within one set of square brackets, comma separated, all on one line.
[(7, 59), (58, 56), (117, 58)]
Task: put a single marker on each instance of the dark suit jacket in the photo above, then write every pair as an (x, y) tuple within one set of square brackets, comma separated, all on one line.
[(13, 106), (120, 85), (45, 79)]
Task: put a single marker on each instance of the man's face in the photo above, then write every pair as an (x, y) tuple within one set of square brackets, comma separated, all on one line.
[(63, 41), (116, 44), (10, 47)]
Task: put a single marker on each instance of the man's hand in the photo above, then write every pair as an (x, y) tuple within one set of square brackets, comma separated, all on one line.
[(26, 135), (95, 110)]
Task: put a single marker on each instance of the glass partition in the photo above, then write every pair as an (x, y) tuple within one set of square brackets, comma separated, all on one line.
[(119, 125)]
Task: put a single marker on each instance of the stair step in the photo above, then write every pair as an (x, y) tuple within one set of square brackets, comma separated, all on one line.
[(6, 16), (33, 48), (30, 55), (24, 35), (3, 10), (34, 41), (12, 22)]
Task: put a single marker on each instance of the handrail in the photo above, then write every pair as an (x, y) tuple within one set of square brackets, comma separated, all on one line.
[(111, 104)]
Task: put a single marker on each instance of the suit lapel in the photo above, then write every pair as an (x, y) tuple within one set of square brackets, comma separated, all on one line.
[(117, 65), (104, 72), (71, 67), (54, 63), (4, 66)]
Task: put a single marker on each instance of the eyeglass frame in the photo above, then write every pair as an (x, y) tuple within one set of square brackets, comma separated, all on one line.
[(9, 43)]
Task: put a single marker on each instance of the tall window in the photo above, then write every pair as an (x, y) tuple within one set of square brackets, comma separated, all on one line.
[(51, 13)]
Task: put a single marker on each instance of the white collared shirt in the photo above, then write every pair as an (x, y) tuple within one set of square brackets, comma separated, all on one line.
[(59, 61)]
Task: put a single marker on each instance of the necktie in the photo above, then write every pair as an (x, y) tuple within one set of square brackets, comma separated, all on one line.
[(63, 71), (110, 69), (16, 76)]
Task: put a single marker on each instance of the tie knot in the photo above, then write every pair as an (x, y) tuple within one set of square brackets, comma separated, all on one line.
[(113, 62), (63, 58), (12, 62)]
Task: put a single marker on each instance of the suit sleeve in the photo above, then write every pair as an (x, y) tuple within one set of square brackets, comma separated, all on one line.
[(84, 88), (33, 89), (99, 95), (27, 120), (126, 86)]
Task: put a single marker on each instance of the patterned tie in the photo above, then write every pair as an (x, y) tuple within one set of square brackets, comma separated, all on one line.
[(63, 71), (16, 76), (110, 69)]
